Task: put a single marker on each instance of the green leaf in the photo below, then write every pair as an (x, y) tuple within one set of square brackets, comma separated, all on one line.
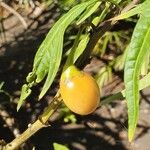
[(144, 83), (81, 47), (137, 10), (48, 57), (145, 65), (103, 14), (26, 91), (89, 11), (67, 3), (104, 46), (104, 76), (59, 147), (77, 48), (116, 2), (138, 49), (1, 85), (119, 62)]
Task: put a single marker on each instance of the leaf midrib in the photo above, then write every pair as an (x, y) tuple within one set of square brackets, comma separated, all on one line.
[(56, 32), (136, 68)]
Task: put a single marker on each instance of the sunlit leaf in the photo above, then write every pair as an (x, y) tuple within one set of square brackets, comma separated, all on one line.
[(104, 76), (145, 65), (59, 147), (77, 48), (48, 56), (138, 49), (81, 47), (26, 91), (1, 85), (137, 10), (119, 62), (143, 83), (89, 11), (115, 1)]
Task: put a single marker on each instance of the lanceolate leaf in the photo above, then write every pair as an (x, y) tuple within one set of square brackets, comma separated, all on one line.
[(138, 49), (1, 85), (115, 1), (77, 48), (26, 91), (137, 10), (59, 147), (81, 47), (48, 56), (90, 10), (145, 65)]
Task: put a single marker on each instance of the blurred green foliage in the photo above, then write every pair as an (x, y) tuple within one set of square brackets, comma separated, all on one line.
[(67, 115), (59, 147)]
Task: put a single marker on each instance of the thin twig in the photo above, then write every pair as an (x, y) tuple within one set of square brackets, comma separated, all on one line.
[(10, 9)]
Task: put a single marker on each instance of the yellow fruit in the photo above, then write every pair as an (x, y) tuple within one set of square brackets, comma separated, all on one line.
[(79, 91)]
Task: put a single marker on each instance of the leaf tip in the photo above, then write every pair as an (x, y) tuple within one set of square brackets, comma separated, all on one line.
[(130, 139), (40, 96), (18, 107), (131, 135)]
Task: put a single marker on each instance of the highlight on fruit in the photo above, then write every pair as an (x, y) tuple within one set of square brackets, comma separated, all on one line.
[(79, 91)]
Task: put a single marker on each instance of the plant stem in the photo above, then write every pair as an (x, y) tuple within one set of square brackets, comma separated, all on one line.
[(37, 125), (42, 120), (24, 136)]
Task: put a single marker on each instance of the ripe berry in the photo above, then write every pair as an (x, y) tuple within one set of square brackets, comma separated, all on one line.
[(79, 91)]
